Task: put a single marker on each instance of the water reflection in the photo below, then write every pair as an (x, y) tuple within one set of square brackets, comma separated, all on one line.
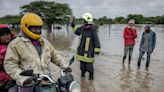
[(61, 43), (111, 39), (144, 81), (109, 30), (141, 82), (87, 86), (126, 78)]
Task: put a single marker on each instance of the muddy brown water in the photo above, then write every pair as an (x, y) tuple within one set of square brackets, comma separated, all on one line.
[(110, 75)]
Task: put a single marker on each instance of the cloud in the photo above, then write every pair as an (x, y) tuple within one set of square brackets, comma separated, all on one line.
[(99, 8), (11, 7)]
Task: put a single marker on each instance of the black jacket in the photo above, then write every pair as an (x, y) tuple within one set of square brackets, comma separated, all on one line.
[(88, 43)]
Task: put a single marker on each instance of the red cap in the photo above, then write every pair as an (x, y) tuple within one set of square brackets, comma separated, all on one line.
[(3, 26)]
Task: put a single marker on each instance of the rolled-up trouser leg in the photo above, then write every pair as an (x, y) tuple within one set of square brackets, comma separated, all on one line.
[(148, 59), (140, 57)]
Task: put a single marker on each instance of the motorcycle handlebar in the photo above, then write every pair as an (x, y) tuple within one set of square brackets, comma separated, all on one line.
[(46, 76)]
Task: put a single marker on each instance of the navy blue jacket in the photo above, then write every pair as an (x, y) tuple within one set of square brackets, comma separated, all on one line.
[(153, 40)]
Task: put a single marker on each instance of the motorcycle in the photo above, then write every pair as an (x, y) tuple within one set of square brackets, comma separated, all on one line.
[(65, 82)]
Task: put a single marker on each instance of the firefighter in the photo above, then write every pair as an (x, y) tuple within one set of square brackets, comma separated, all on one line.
[(89, 44)]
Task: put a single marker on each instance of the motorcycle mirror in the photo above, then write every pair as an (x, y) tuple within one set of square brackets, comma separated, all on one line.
[(27, 72), (71, 60)]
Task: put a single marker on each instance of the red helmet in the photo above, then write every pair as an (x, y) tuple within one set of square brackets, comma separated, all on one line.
[(4, 28)]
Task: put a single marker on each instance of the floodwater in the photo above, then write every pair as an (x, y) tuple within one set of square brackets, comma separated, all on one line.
[(110, 75)]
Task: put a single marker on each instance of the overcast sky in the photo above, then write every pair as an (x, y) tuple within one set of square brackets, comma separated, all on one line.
[(98, 8)]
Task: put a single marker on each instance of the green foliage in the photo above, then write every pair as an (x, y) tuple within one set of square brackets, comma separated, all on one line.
[(119, 20), (104, 20), (159, 19), (56, 13), (51, 12), (137, 17), (148, 22), (10, 19), (78, 20), (100, 21)]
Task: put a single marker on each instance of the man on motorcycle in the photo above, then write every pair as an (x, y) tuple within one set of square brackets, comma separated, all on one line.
[(30, 51)]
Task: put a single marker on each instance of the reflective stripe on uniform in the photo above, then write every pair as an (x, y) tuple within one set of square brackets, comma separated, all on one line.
[(84, 58), (75, 28), (79, 40), (87, 43), (97, 49), (85, 55)]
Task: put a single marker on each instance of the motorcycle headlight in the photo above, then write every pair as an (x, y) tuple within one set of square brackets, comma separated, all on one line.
[(74, 87)]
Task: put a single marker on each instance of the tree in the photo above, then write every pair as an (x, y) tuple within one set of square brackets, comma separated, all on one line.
[(159, 19), (50, 12), (78, 20), (104, 20), (148, 20), (10, 19), (120, 20), (137, 17)]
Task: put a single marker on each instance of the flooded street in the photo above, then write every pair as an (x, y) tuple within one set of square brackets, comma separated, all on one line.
[(110, 75)]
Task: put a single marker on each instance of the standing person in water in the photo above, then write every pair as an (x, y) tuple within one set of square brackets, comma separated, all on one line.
[(5, 37), (147, 45), (89, 45), (130, 34)]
